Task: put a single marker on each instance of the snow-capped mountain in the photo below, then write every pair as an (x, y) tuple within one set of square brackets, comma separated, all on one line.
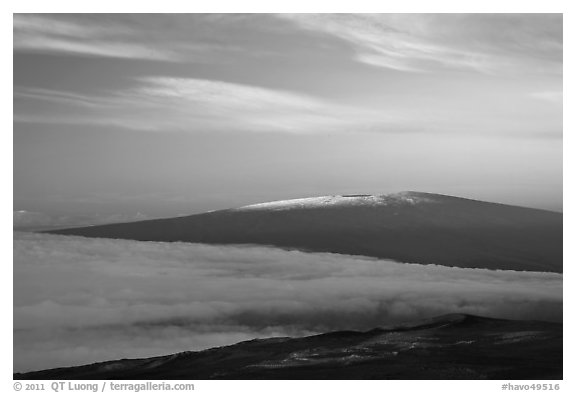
[(409, 227), (410, 198)]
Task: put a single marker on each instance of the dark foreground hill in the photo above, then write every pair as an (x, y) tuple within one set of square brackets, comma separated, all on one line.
[(449, 347), (409, 227)]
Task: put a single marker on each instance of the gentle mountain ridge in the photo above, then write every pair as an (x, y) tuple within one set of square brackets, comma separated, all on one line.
[(455, 346), (408, 227)]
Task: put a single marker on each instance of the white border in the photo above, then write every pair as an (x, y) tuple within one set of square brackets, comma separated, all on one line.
[(259, 6)]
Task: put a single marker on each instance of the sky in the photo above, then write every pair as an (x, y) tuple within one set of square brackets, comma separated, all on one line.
[(81, 300), (121, 117)]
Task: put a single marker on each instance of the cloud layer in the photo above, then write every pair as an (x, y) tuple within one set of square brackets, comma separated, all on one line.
[(82, 300)]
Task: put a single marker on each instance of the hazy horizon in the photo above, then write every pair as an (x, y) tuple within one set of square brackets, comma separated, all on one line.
[(123, 117)]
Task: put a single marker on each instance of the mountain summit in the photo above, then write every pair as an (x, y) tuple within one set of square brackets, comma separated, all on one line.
[(411, 227), (342, 200)]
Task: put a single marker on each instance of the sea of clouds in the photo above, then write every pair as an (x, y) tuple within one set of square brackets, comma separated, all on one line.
[(80, 300)]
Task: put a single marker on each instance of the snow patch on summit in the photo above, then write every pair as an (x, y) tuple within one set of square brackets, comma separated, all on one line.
[(403, 198)]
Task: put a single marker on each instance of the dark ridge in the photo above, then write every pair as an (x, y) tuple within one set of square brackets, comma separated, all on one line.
[(457, 346)]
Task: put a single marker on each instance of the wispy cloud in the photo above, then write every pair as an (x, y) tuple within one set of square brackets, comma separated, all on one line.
[(189, 104), (218, 104), (491, 43), (53, 33), (105, 299), (59, 97), (181, 38), (161, 103), (243, 101), (550, 96), (224, 94)]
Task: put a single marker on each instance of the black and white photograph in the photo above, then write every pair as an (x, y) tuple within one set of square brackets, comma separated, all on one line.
[(288, 196)]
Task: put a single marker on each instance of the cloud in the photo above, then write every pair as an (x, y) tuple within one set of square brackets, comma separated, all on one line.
[(79, 300), (555, 97), (190, 104), (59, 97), (488, 43), (161, 103), (218, 104), (224, 94), (85, 36), (524, 48), (171, 38)]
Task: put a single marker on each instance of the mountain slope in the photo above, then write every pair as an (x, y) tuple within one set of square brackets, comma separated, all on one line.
[(454, 346), (409, 227)]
